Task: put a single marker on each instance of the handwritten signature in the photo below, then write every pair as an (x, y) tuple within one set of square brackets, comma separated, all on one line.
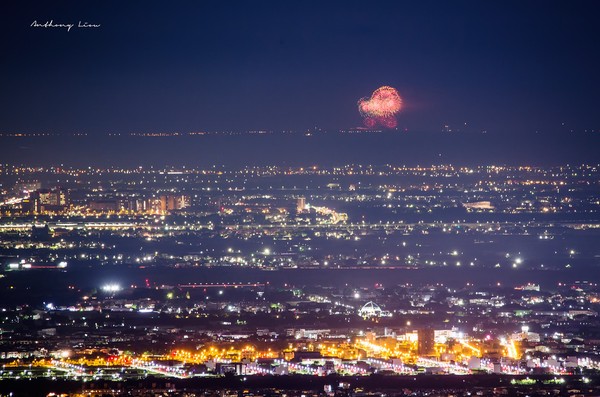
[(68, 26)]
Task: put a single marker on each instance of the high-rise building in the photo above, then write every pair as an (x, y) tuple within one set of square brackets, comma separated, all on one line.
[(53, 200), (166, 203), (171, 202), (300, 204), (426, 342)]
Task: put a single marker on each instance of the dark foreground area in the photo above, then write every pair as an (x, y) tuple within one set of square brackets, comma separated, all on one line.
[(421, 385)]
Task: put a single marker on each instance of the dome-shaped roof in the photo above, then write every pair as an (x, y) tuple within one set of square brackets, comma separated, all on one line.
[(370, 309)]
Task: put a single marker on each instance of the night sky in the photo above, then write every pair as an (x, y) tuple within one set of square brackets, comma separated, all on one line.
[(505, 67)]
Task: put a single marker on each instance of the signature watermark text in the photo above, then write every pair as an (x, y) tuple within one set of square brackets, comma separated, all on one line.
[(68, 26)]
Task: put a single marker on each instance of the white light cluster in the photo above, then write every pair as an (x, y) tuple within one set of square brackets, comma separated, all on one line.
[(111, 287)]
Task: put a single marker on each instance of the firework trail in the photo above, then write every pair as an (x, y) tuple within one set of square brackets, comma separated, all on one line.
[(381, 108)]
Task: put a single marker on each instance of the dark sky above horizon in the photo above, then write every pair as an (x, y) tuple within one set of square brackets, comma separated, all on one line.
[(507, 67)]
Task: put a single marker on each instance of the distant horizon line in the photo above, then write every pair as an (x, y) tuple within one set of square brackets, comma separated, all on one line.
[(307, 169), (306, 132)]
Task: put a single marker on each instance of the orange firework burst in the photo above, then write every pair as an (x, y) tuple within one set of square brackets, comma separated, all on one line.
[(381, 108)]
